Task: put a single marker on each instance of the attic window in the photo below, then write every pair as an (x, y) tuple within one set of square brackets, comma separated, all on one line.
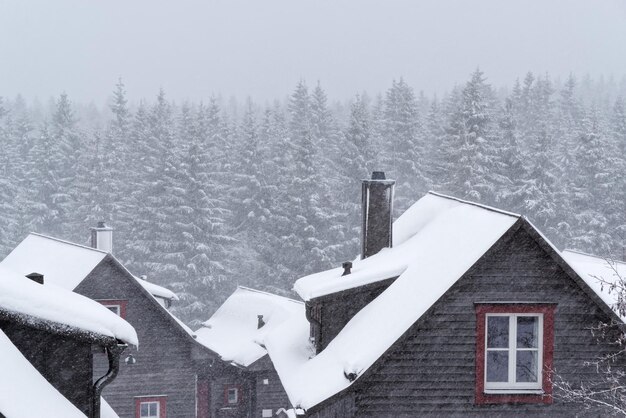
[(118, 307), (150, 407), (514, 350), (232, 395)]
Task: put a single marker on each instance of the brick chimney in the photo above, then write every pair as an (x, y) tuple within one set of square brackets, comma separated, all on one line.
[(377, 201), (102, 237)]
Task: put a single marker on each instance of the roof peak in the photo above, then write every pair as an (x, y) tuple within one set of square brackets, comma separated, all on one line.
[(86, 247), (480, 205)]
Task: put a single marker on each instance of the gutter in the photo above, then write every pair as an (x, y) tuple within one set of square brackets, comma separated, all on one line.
[(113, 353)]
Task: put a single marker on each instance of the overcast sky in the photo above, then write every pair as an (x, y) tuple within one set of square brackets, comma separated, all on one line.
[(261, 48)]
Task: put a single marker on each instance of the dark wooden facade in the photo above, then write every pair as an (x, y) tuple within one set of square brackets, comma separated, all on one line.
[(431, 369), (64, 356)]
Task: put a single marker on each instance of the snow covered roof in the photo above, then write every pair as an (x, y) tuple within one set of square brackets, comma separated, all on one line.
[(49, 256), (19, 384), (601, 274), (435, 217), (64, 263), (22, 296), (424, 237), (232, 331)]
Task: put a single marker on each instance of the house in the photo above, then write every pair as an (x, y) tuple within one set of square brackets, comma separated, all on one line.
[(158, 380), (460, 309), (236, 332), (48, 337)]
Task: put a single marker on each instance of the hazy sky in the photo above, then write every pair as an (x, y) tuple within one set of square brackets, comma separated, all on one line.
[(262, 48)]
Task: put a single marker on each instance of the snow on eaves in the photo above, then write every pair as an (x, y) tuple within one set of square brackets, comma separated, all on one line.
[(22, 296), (606, 277), (42, 254), (426, 236), (156, 290), (232, 332), (24, 392)]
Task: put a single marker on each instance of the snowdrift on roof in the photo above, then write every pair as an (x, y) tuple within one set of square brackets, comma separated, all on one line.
[(42, 254), (425, 236), (233, 333), (601, 275), (55, 304)]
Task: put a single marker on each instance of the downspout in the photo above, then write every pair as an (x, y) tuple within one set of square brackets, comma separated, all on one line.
[(113, 354)]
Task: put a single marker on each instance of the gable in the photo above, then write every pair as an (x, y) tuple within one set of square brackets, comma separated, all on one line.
[(432, 366)]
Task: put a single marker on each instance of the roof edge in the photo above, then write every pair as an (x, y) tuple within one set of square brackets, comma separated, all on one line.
[(480, 205), (249, 289), (68, 242), (612, 260)]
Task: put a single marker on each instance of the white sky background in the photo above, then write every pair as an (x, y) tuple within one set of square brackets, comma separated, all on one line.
[(261, 48)]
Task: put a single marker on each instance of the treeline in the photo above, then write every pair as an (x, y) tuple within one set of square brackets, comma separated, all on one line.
[(203, 198)]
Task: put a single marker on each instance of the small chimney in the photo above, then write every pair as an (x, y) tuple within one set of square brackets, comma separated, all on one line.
[(377, 201), (260, 322), (36, 277), (102, 237), (347, 266)]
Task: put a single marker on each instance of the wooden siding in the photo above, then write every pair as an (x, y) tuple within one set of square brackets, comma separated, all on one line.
[(430, 371), (164, 360), (219, 405), (271, 395), (64, 361), (337, 309)]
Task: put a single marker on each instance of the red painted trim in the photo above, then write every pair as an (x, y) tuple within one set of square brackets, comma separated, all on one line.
[(202, 398), (239, 394), (160, 399), (548, 353), (115, 302)]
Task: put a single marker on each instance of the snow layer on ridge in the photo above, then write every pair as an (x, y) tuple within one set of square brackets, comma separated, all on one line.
[(427, 235), (232, 330), (599, 274), (24, 393), (389, 262), (41, 254), (156, 290), (52, 303)]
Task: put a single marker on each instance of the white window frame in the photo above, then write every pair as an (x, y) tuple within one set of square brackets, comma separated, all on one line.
[(512, 386), (158, 409), (236, 391), (118, 308)]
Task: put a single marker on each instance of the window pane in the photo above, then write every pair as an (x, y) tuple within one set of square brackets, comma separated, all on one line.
[(497, 332), (526, 367), (145, 410), (153, 409), (527, 331), (497, 366)]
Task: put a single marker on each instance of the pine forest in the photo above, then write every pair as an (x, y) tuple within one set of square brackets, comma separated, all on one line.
[(206, 196)]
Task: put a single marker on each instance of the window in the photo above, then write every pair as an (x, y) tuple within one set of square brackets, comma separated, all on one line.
[(149, 410), (266, 413), (232, 395), (150, 406), (118, 307), (514, 351)]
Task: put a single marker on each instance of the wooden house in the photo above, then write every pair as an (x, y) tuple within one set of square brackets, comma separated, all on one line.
[(48, 337), (161, 378), (236, 332), (459, 310)]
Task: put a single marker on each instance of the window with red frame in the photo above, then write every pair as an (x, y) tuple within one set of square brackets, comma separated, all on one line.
[(514, 350), (118, 307), (150, 407), (232, 395)]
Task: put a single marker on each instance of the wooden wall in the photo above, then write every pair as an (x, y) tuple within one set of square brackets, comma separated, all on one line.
[(430, 371)]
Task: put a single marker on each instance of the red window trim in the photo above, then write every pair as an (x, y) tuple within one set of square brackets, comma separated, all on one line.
[(239, 394), (115, 302), (548, 352), (160, 399)]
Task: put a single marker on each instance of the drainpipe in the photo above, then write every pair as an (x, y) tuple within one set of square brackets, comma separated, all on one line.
[(113, 354)]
